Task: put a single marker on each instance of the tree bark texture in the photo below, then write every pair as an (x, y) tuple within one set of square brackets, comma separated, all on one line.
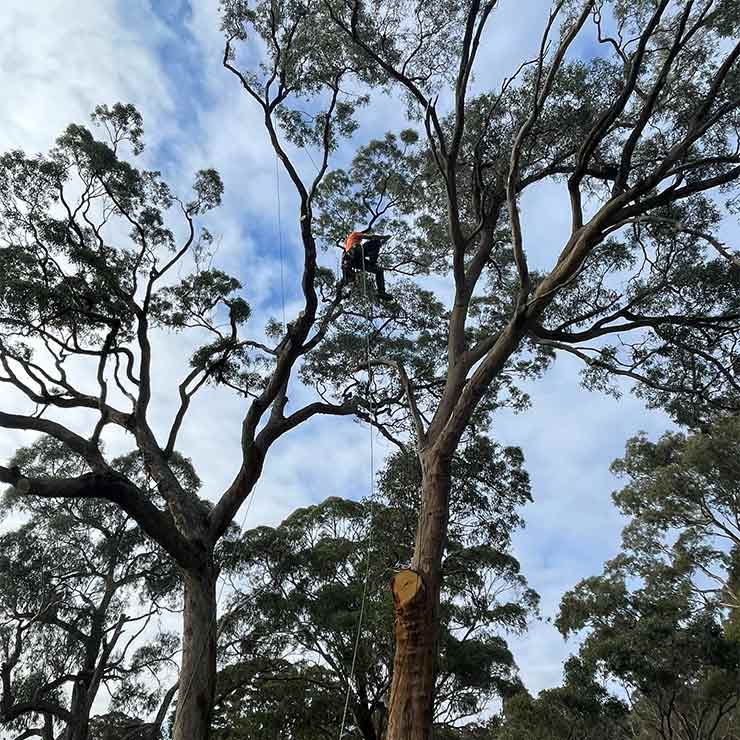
[(416, 600), (197, 681), (78, 726)]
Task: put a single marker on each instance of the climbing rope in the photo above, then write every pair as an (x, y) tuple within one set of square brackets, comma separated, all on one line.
[(368, 556), (316, 167), (280, 238), (251, 497)]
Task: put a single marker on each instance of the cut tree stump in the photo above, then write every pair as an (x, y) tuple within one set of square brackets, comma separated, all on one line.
[(407, 586)]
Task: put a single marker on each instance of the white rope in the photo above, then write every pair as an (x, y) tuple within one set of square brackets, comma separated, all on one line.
[(280, 239), (251, 496), (372, 493)]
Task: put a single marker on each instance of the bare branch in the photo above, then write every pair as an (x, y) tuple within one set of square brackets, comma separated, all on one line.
[(541, 95), (89, 452), (421, 436), (113, 487)]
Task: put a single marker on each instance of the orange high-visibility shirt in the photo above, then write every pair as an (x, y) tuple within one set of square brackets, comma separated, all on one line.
[(354, 238)]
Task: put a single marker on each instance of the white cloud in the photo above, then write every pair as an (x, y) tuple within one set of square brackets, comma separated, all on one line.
[(56, 63)]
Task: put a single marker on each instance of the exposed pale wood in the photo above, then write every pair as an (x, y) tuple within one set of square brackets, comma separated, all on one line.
[(406, 586)]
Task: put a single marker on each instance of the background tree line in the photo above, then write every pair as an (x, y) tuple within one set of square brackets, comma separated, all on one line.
[(659, 658)]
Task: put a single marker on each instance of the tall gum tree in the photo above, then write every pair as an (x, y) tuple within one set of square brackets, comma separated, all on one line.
[(89, 251), (638, 140), (641, 139), (652, 632), (79, 586)]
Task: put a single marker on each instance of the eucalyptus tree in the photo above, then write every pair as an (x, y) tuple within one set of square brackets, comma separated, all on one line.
[(81, 588), (580, 709), (290, 646), (650, 632), (682, 495), (639, 138), (89, 250)]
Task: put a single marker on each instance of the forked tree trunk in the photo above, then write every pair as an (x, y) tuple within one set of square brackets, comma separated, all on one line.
[(86, 687), (416, 598), (197, 681)]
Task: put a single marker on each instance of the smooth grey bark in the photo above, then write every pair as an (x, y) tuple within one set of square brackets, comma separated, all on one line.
[(198, 671)]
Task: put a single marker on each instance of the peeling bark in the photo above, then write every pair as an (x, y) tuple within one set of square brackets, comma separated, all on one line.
[(416, 601)]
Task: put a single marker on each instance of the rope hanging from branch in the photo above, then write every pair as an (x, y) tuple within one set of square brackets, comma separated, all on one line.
[(368, 556)]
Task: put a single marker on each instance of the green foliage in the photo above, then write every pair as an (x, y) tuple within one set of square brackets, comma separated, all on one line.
[(361, 195), (682, 497), (208, 190), (660, 622), (302, 66), (301, 586), (122, 123), (662, 643), (580, 709), (119, 726), (642, 275), (77, 579), (71, 286), (276, 699), (645, 149), (191, 302)]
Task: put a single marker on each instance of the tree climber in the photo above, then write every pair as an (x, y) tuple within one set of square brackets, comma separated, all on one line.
[(359, 245)]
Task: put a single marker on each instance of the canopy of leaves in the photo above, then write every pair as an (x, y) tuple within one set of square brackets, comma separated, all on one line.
[(580, 709), (683, 498), (630, 118), (667, 648)]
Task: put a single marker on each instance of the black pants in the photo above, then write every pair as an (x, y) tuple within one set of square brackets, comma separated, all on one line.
[(353, 261)]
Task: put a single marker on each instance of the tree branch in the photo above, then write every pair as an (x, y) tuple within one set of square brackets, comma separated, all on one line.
[(115, 488), (421, 437)]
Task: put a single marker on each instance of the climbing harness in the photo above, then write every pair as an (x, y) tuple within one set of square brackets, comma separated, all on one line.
[(347, 267)]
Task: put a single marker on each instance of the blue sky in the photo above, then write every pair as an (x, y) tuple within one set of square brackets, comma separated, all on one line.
[(59, 59)]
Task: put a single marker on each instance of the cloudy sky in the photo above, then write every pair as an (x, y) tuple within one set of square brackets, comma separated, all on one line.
[(59, 59)]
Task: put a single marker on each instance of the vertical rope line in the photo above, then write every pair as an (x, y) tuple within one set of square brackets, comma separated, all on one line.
[(252, 494), (280, 239), (368, 556)]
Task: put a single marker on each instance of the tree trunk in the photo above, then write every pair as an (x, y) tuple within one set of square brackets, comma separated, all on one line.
[(86, 686), (364, 721), (197, 681), (79, 724), (416, 598), (48, 728)]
